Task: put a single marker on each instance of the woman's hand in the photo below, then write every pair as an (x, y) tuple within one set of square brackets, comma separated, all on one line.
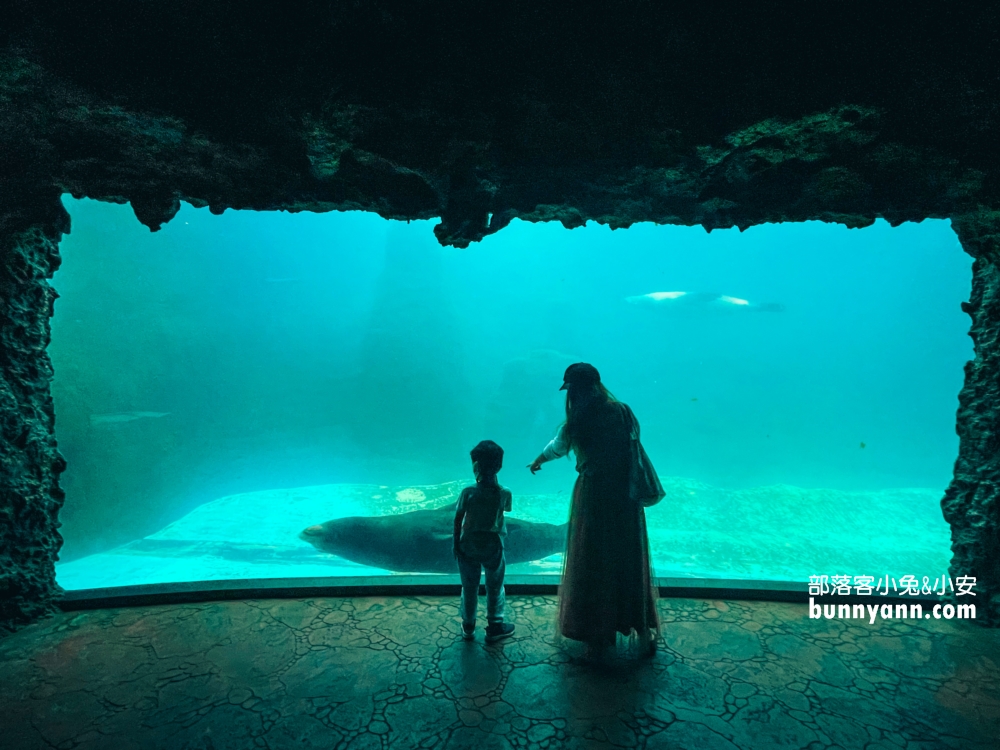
[(536, 465)]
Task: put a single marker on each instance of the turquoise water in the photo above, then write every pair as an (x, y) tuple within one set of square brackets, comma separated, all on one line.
[(231, 379)]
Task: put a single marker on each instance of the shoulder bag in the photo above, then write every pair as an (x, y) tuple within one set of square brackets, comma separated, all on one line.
[(644, 485)]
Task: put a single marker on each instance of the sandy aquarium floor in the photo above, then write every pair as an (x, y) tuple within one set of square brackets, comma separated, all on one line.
[(766, 533)]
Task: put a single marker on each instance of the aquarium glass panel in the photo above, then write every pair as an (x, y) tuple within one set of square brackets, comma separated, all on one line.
[(275, 395)]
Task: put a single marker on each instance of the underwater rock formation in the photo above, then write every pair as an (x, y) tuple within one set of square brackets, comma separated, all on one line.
[(673, 113)]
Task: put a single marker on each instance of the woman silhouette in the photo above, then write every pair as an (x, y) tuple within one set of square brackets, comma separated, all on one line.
[(607, 582)]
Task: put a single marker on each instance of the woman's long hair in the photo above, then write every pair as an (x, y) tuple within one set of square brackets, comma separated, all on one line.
[(584, 403)]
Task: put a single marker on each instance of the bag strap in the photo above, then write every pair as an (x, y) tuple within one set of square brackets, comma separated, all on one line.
[(629, 420)]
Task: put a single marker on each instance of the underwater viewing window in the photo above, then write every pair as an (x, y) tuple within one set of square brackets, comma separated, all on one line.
[(230, 381)]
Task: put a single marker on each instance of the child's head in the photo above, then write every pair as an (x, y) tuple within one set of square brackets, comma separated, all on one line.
[(487, 459)]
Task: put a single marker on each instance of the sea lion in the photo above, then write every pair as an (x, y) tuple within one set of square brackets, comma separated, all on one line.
[(702, 302), (421, 541)]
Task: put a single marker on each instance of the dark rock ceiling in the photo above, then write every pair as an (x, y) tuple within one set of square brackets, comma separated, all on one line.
[(715, 113)]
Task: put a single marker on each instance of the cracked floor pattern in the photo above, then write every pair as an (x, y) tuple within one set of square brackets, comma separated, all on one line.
[(387, 673)]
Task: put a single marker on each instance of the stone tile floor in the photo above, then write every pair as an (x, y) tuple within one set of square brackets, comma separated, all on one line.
[(379, 673)]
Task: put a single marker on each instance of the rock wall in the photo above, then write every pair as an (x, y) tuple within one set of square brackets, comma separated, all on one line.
[(971, 503), (30, 465), (722, 114)]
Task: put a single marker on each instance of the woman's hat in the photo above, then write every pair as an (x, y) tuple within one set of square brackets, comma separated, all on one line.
[(580, 374)]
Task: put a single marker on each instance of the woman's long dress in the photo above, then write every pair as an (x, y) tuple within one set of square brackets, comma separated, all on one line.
[(607, 583)]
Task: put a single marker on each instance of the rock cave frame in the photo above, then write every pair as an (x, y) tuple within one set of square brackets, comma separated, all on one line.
[(720, 114)]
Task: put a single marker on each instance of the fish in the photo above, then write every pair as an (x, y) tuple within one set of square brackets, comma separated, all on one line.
[(125, 416), (421, 541), (862, 445), (702, 302)]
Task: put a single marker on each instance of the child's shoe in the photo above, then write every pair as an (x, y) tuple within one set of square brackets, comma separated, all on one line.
[(468, 631), (498, 630)]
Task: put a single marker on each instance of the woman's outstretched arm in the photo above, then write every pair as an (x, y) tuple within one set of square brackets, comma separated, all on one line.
[(557, 448)]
